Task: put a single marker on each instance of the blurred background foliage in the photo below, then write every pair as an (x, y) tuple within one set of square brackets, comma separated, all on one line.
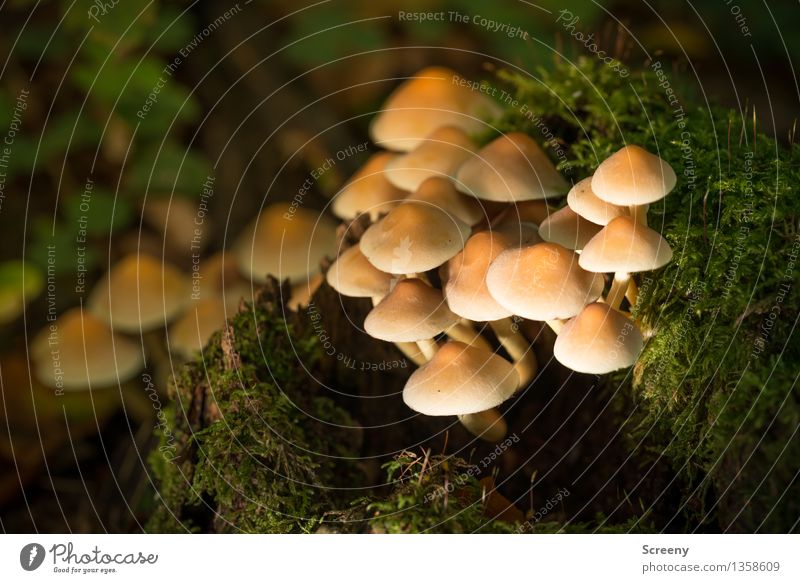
[(257, 101)]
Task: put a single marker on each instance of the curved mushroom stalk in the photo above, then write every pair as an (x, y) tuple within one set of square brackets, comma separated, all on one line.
[(488, 425), (412, 351), (463, 332), (556, 325), (618, 289), (429, 347), (639, 213), (518, 349)]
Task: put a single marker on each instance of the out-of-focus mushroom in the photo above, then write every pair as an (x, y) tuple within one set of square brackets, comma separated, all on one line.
[(191, 332), (140, 293), (624, 247), (175, 220), (368, 191), (459, 380), (599, 340), (432, 98), (440, 154), (79, 351), (285, 241), (511, 168)]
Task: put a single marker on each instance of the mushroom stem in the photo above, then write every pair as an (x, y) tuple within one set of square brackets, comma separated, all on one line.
[(618, 288), (555, 325), (632, 293), (412, 352), (463, 332), (409, 349), (488, 425), (518, 348), (639, 213), (428, 348)]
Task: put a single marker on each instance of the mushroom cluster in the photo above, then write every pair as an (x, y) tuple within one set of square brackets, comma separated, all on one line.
[(461, 234), (146, 306)]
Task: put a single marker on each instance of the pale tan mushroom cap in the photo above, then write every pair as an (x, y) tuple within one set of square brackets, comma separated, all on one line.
[(542, 282), (412, 238), (440, 155), (459, 380), (412, 311), (84, 353), (527, 211), (353, 276), (488, 425), (466, 290), (368, 190), (191, 332), (286, 242), (625, 246), (441, 193), (431, 99), (511, 168), (599, 340), (140, 293), (633, 176), (519, 234), (587, 204), (568, 229)]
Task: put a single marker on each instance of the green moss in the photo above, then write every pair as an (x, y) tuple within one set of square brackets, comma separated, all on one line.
[(438, 494), (717, 380), (255, 449)]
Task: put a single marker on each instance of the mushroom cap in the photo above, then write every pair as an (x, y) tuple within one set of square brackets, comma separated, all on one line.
[(511, 168), (568, 229), (285, 241), (441, 193), (140, 293), (459, 380), (431, 99), (439, 154), (412, 238), (519, 234), (633, 176), (191, 332), (599, 340), (489, 425), (466, 290), (220, 276), (173, 218), (353, 276), (83, 353), (527, 211), (542, 282), (368, 190), (625, 246), (587, 204), (411, 312)]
